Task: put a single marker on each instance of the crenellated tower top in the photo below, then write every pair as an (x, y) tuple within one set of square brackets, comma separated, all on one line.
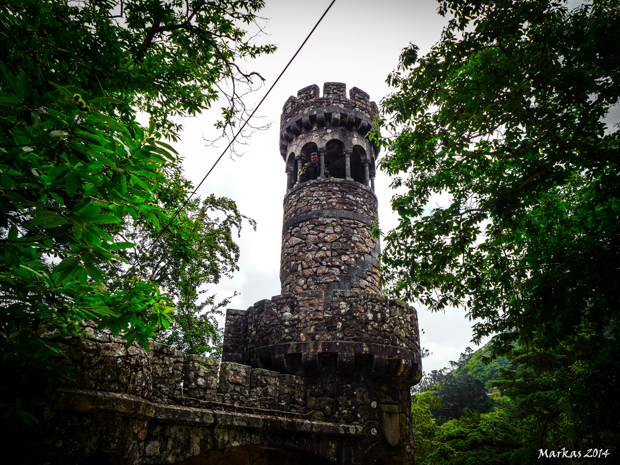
[(335, 127), (334, 99)]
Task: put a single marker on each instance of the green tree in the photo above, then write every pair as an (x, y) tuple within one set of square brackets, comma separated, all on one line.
[(80, 180), (459, 388), (426, 432), (502, 125), (477, 439)]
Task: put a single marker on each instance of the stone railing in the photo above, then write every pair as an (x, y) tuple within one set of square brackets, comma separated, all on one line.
[(165, 375)]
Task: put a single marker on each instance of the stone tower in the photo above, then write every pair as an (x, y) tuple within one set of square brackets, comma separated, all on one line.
[(317, 375), (327, 243), (356, 350)]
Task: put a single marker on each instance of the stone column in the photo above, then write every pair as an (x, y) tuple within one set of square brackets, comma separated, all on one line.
[(373, 173), (299, 164), (366, 171), (290, 177), (322, 162), (347, 164)]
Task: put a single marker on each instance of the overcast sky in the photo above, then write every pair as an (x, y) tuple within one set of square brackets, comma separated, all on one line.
[(358, 43)]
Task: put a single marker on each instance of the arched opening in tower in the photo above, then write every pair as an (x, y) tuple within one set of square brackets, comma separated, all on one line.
[(357, 167), (307, 150), (291, 167), (334, 158)]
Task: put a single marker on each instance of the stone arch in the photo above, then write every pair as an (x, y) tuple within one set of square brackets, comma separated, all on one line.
[(290, 161), (357, 166), (291, 171), (334, 158), (307, 149), (256, 455)]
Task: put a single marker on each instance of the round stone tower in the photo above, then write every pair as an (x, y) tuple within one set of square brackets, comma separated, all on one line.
[(327, 236), (356, 350)]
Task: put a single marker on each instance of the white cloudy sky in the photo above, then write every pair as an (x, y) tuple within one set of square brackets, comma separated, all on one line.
[(358, 43)]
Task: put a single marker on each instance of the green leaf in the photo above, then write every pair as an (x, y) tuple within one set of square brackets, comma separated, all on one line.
[(98, 153), (90, 211), (7, 182), (46, 219), (8, 76), (121, 245), (72, 183), (94, 272), (106, 100), (24, 87), (55, 172), (106, 219), (67, 262), (67, 273), (13, 233)]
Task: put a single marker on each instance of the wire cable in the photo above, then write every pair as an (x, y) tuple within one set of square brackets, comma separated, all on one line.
[(176, 213)]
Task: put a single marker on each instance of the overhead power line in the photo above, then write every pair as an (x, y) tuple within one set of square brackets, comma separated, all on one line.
[(179, 209)]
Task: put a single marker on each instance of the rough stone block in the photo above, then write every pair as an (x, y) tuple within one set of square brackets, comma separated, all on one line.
[(358, 94), (200, 377), (265, 388), (308, 92), (167, 372), (335, 90), (234, 382)]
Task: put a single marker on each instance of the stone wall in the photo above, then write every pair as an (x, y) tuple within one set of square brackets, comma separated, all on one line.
[(163, 406), (345, 316), (330, 194), (327, 242), (101, 362), (164, 375)]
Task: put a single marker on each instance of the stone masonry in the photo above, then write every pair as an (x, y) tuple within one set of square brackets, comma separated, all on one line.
[(327, 242), (320, 374)]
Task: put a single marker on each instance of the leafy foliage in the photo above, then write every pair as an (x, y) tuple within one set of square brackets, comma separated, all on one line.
[(488, 438), (461, 386), (85, 191), (166, 58), (562, 398), (426, 432), (502, 124), (457, 420)]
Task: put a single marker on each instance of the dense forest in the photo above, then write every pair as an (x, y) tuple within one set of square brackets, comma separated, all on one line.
[(471, 412)]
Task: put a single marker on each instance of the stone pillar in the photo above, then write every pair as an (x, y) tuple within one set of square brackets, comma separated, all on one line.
[(322, 162), (373, 173), (299, 164), (290, 177), (366, 171), (347, 164)]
